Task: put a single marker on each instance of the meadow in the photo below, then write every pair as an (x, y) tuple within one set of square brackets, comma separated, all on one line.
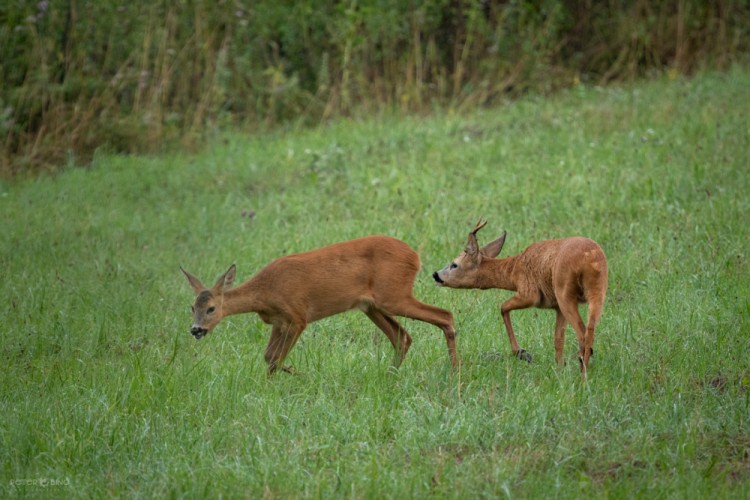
[(105, 392)]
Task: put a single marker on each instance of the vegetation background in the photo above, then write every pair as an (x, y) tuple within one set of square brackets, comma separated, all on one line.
[(139, 77), (283, 127)]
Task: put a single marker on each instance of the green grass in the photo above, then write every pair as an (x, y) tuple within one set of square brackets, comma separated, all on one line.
[(105, 393)]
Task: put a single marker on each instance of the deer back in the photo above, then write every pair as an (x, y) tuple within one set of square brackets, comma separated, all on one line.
[(336, 278)]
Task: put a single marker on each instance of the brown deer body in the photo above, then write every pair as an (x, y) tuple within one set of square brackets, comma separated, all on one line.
[(553, 274), (374, 274)]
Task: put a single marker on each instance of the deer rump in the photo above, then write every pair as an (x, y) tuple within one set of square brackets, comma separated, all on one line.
[(551, 265)]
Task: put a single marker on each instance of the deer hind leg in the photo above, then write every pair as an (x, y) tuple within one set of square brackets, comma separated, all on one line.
[(567, 301), (410, 307), (398, 336), (595, 313), (560, 324), (513, 303), (283, 338), (595, 286)]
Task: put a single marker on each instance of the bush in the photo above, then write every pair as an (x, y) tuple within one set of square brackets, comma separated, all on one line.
[(137, 77)]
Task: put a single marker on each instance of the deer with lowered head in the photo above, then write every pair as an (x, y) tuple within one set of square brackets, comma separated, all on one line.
[(374, 274), (552, 274)]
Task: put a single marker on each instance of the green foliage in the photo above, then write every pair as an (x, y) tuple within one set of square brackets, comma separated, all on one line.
[(105, 393), (79, 75)]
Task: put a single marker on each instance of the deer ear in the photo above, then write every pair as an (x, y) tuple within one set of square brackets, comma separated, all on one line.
[(194, 282), (225, 282), (492, 250), (471, 245)]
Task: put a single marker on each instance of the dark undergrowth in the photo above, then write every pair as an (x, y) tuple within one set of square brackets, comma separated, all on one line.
[(84, 76)]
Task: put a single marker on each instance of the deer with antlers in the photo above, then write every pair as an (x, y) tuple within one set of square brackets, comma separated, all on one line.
[(552, 274), (374, 274)]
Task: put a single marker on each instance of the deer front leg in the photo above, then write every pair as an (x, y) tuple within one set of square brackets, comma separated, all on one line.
[(513, 303), (283, 338)]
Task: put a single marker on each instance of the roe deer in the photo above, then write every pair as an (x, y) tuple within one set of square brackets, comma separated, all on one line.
[(553, 274), (374, 274)]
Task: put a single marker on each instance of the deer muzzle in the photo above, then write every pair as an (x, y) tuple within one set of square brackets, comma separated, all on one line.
[(198, 332), (437, 278)]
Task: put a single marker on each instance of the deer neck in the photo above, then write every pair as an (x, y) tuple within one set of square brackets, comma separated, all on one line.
[(242, 299), (497, 273)]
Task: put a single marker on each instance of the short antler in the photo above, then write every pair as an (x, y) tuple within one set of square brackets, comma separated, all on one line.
[(479, 226), (471, 246)]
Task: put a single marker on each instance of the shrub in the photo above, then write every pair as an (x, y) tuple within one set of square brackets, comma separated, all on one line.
[(140, 76)]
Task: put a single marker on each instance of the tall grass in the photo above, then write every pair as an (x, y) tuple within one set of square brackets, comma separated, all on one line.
[(105, 393), (143, 77)]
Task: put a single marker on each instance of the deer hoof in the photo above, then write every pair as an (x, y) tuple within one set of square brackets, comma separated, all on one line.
[(523, 355), (580, 363), (591, 358)]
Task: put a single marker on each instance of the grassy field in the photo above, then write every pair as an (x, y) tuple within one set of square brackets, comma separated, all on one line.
[(105, 393)]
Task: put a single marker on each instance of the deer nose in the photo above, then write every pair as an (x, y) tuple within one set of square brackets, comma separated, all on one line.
[(436, 277), (197, 331)]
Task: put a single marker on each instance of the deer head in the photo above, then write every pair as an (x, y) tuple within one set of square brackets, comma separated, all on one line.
[(462, 271), (208, 305)]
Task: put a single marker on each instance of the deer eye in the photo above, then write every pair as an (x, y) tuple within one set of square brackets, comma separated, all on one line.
[(454, 265), (210, 310)]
